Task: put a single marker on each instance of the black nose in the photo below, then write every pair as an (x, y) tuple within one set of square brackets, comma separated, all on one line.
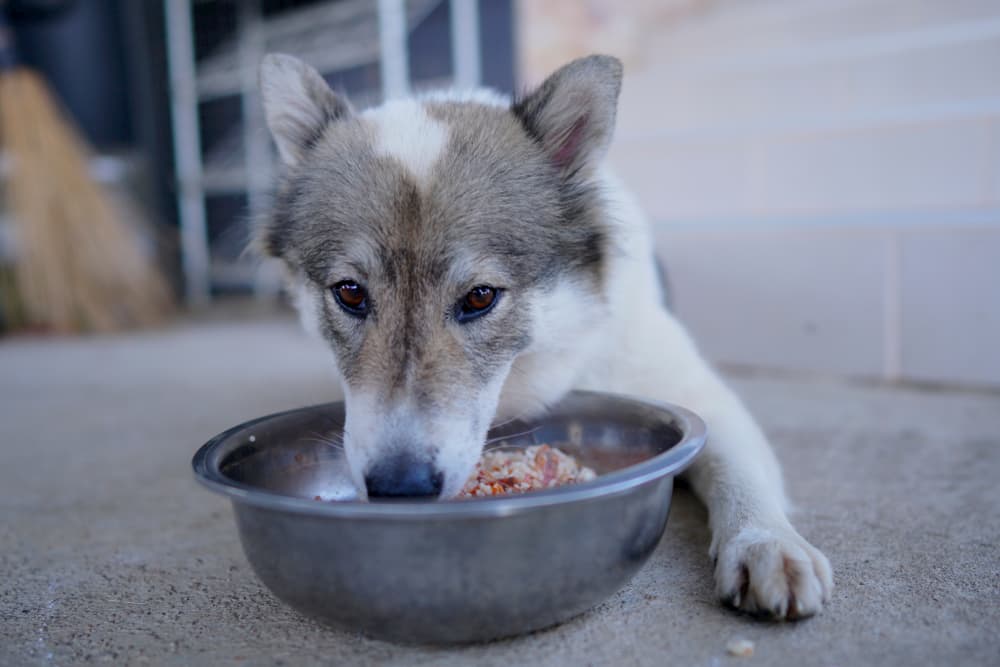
[(403, 476)]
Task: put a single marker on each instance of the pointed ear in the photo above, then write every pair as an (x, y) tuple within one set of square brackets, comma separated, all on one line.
[(298, 104), (572, 114)]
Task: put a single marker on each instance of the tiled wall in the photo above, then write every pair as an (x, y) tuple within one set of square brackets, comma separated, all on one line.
[(825, 177), (920, 303)]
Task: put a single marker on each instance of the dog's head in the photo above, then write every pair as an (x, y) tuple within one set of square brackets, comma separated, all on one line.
[(440, 245)]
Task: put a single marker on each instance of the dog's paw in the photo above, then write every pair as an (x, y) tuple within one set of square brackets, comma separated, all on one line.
[(772, 572)]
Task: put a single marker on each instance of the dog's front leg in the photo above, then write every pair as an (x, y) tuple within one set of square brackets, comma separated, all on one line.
[(762, 565)]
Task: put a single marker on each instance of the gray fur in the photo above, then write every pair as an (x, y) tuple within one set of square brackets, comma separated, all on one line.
[(572, 114), (298, 104)]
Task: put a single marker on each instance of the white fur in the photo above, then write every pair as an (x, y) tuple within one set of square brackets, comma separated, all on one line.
[(360, 417), (308, 305), (564, 330), (286, 86), (456, 458), (737, 475), (404, 131), (484, 96)]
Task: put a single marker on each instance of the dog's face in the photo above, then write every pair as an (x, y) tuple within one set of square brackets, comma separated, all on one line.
[(433, 243)]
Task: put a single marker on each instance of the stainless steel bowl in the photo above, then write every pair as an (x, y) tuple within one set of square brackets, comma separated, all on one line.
[(456, 570)]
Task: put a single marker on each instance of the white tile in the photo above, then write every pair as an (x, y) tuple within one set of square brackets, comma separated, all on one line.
[(742, 28), (902, 167), (782, 298), (912, 167), (947, 73), (950, 297), (686, 181), (856, 91)]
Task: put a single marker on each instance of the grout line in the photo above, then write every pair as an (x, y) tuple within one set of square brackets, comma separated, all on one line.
[(991, 184), (756, 158), (892, 311), (755, 372), (939, 218), (784, 128)]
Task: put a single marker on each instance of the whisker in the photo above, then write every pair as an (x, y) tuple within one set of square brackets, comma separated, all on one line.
[(501, 438), (332, 436), (333, 423), (514, 435), (333, 441), (505, 422), (541, 406), (325, 443), (493, 448)]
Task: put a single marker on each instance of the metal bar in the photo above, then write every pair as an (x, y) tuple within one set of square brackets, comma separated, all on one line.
[(394, 63), (465, 54), (256, 145), (187, 152)]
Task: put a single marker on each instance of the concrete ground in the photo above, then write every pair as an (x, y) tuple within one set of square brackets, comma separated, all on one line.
[(109, 552)]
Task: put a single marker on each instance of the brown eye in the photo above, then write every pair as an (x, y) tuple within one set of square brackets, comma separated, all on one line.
[(351, 297), (479, 301)]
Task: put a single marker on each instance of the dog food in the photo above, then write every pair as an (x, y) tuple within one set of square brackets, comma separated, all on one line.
[(506, 471)]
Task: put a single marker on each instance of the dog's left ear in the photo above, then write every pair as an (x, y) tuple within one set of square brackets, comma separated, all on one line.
[(298, 104), (572, 114)]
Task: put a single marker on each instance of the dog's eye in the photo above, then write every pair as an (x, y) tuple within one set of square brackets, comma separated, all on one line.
[(479, 301), (351, 297)]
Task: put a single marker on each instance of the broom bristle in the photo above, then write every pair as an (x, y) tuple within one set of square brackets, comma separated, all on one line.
[(78, 265)]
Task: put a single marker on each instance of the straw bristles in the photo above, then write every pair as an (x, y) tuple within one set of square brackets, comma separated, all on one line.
[(78, 265)]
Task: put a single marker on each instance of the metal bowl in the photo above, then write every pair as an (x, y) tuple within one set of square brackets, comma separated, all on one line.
[(456, 570)]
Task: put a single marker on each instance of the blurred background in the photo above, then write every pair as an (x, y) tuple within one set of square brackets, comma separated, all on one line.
[(823, 175)]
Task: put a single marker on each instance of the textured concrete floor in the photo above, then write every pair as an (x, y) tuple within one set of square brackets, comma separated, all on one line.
[(110, 553)]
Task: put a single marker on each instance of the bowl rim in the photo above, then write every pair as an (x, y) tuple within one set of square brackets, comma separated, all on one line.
[(668, 463)]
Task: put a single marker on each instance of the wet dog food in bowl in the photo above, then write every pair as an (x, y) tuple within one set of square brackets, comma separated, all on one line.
[(503, 471)]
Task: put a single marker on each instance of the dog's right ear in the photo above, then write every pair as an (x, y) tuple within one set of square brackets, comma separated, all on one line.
[(298, 104)]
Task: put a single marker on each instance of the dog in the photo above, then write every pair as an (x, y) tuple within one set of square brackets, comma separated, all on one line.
[(469, 259)]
